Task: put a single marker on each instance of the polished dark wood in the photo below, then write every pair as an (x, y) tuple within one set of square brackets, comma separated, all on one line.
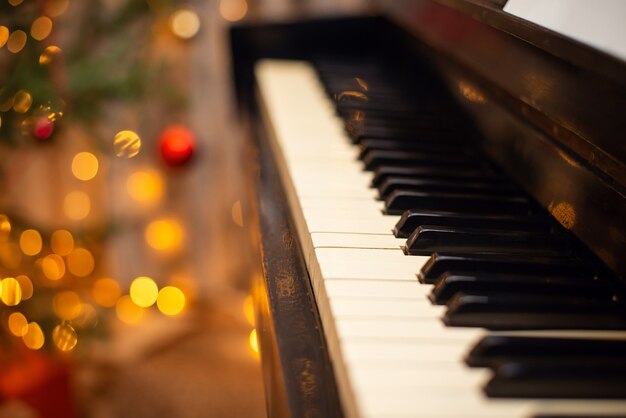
[(551, 110), (298, 374)]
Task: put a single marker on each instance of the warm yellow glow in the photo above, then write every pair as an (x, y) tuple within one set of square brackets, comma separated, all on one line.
[(17, 41), (67, 305), (106, 292), (84, 166), (26, 285), (164, 235), (80, 262), (254, 342), (144, 291), (62, 242), (471, 93), (30, 242), (233, 10), (64, 337), (56, 8), (248, 310), (49, 54), (4, 35), (10, 255), (77, 205), (185, 23), (237, 214), (53, 267), (145, 186), (41, 28), (126, 144), (564, 213), (15, 2), (171, 300), (33, 337), (10, 292), (17, 324), (22, 101), (127, 311), (5, 227)]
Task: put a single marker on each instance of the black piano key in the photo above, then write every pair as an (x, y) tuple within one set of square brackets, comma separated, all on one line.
[(428, 239), (480, 174), (391, 131), (493, 350), (376, 158), (411, 219), (392, 184), (439, 263), (566, 379), (505, 311), (451, 283), (414, 144), (400, 200)]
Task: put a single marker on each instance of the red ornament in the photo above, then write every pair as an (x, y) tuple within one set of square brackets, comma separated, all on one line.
[(43, 128), (177, 145)]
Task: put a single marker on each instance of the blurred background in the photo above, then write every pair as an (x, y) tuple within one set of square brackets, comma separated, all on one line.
[(125, 253)]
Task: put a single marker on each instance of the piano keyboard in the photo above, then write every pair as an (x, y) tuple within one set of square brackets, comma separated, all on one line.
[(395, 353)]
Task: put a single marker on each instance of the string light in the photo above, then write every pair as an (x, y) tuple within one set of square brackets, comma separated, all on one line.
[(144, 291), (33, 338), (49, 54), (233, 10), (5, 227), (17, 324), (17, 41), (80, 262), (53, 267), (106, 292), (185, 23), (67, 305), (126, 144), (85, 166), (171, 301), (41, 28), (254, 342), (77, 205), (64, 337), (62, 242), (30, 242), (165, 235), (128, 312)]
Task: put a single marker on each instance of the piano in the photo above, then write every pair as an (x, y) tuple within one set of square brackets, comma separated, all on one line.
[(439, 207)]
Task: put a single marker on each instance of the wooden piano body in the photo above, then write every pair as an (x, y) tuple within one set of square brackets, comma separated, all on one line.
[(547, 110)]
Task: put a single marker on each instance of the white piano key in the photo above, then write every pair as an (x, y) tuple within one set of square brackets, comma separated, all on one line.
[(373, 288), (371, 241), (377, 308), (354, 263)]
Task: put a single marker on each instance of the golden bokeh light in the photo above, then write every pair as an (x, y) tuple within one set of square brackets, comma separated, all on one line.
[(30, 242), (185, 23), (17, 41), (62, 242), (233, 10), (171, 300), (80, 262), (144, 291), (5, 227), (49, 54), (4, 35), (22, 101), (10, 292), (10, 255), (18, 324), (248, 310), (33, 338), (164, 235), (67, 305), (53, 267), (126, 144), (26, 285), (15, 2), (77, 205), (84, 166), (56, 8), (64, 337), (145, 186), (254, 342), (237, 214), (41, 28), (106, 292), (128, 312)]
